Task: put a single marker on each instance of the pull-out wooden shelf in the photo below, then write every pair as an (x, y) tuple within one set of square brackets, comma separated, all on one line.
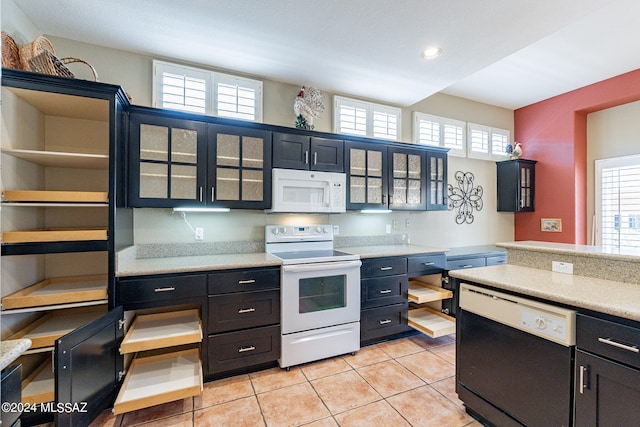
[(54, 235), (420, 292), (431, 322), (44, 331), (61, 159), (39, 386), (161, 330), (160, 379), (61, 290), (55, 196)]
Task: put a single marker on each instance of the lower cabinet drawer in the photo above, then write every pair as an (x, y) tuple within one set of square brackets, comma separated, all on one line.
[(236, 350), (243, 310), (156, 289), (496, 260), (459, 264), (609, 339), (383, 321), (381, 291)]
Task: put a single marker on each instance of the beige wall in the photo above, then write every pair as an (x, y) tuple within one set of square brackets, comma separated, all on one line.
[(133, 72), (613, 132)]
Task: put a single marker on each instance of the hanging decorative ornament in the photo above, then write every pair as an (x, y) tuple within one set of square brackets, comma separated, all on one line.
[(308, 105), (465, 198)]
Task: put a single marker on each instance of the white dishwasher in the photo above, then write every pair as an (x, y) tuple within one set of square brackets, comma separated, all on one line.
[(514, 360)]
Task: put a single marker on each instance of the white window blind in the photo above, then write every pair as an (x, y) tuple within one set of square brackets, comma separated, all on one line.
[(440, 132), (183, 88), (618, 202), (366, 119), (487, 143)]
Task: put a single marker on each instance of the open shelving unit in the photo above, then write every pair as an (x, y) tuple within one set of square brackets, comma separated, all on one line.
[(429, 320)]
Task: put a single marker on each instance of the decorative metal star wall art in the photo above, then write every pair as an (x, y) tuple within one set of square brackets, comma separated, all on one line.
[(465, 198)]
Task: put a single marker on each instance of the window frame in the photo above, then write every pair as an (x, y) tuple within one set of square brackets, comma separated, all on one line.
[(490, 154), (442, 122), (600, 166), (212, 81), (370, 109)]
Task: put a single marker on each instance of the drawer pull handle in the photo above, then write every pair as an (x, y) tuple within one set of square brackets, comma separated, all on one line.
[(384, 322), (428, 263), (385, 291), (609, 341), (246, 282), (386, 268), (466, 266), (243, 349), (246, 310), (167, 289)]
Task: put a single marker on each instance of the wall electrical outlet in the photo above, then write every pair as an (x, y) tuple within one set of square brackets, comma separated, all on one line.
[(388, 228), (562, 267), (395, 224), (199, 234), (336, 230)]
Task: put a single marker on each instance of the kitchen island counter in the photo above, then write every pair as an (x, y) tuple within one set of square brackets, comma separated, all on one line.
[(611, 297)]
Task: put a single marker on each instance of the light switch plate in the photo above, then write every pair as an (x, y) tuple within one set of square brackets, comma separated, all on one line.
[(562, 267)]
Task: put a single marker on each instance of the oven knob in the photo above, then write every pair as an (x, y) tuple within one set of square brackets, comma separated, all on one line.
[(275, 231), (325, 230), (540, 323), (319, 229), (283, 230)]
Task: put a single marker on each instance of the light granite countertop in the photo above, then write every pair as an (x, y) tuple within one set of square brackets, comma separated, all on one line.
[(605, 296), (617, 254), (10, 350), (128, 264)]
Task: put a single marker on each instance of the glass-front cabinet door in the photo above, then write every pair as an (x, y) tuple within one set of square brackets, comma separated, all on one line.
[(167, 156), (367, 176), (407, 181), (239, 171), (436, 180)]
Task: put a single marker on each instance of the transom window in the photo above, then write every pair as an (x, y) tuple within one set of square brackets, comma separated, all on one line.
[(195, 90), (362, 118), (440, 132), (489, 143)]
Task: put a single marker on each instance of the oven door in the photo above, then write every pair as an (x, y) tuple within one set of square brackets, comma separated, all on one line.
[(322, 294)]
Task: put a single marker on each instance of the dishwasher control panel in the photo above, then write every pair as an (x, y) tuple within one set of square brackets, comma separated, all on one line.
[(557, 324), (552, 327)]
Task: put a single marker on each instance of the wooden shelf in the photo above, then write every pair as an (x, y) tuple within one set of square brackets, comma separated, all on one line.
[(160, 330), (160, 379), (39, 386), (61, 290), (61, 159), (432, 322), (47, 329), (55, 196), (420, 292), (59, 104), (54, 235)]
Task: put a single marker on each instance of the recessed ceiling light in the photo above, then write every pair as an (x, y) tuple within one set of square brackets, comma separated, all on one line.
[(431, 53)]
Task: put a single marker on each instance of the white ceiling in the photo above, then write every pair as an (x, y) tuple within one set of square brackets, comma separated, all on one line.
[(509, 53)]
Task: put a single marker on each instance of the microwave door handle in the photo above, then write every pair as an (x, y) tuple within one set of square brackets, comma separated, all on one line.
[(327, 194)]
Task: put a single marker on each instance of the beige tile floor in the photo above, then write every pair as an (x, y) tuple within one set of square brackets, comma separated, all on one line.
[(405, 382)]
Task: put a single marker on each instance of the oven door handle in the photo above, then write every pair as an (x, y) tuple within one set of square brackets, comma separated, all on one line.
[(321, 266)]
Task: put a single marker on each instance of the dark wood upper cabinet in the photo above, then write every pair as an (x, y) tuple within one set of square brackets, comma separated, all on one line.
[(296, 151), (516, 185)]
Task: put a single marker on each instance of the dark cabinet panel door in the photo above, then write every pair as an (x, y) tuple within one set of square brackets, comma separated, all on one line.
[(87, 364), (437, 189), (377, 323), (607, 393), (291, 151), (407, 173), (379, 291), (243, 310), (367, 176), (327, 154)]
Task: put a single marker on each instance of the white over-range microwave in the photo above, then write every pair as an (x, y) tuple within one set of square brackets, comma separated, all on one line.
[(308, 191)]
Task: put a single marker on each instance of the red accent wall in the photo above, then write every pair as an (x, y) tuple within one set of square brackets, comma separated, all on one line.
[(554, 132)]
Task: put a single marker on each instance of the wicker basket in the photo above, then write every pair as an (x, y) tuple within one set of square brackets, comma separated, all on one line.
[(10, 52), (31, 50), (47, 63)]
